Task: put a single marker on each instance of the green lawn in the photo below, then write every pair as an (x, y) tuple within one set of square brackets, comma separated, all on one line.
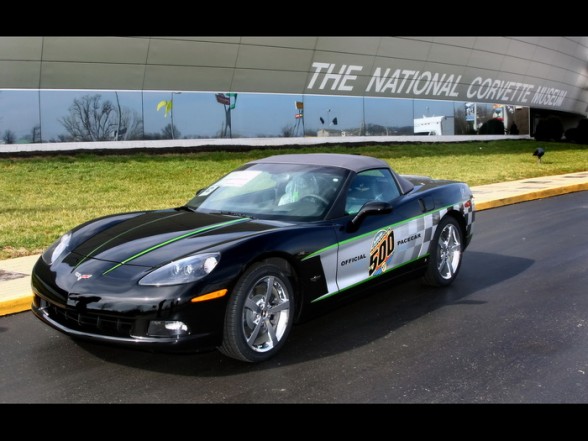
[(42, 197)]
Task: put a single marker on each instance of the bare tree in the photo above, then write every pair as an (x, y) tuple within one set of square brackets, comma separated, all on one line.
[(62, 138), (91, 120), (131, 125), (9, 137), (167, 132), (288, 131)]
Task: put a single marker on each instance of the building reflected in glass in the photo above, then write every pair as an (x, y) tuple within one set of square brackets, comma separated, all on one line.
[(47, 116)]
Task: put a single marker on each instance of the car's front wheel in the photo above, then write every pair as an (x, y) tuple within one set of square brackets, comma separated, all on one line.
[(259, 314), (445, 253)]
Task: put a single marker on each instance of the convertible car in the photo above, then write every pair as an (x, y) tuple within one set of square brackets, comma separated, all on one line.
[(253, 253)]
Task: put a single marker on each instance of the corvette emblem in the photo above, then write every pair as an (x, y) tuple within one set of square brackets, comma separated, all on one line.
[(82, 276)]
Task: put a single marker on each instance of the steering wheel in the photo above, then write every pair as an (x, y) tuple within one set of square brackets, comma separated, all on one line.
[(315, 197)]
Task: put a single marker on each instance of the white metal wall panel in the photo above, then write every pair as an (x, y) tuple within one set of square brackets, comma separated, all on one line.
[(429, 39), (514, 65), (543, 55), (181, 52), (21, 48), (253, 80), (476, 72), (397, 63), (19, 74), (349, 45), (490, 61), (58, 75), (538, 71), (98, 50), (567, 62), (274, 58), (565, 78), (214, 39), (181, 78), (285, 64), (497, 45), (308, 43), (553, 43), (520, 49), (404, 49), (465, 42), (448, 55)]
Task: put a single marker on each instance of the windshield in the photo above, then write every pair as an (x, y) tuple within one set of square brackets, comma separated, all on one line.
[(273, 191)]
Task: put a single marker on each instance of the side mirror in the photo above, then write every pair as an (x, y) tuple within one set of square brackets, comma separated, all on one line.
[(369, 209)]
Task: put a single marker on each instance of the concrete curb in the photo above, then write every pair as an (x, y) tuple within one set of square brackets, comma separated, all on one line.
[(17, 294), (20, 304), (549, 192)]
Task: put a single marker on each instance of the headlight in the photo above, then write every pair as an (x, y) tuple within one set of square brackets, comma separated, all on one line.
[(181, 271), (56, 250)]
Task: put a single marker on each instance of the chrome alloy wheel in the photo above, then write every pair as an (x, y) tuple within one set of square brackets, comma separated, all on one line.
[(266, 313), (448, 251)]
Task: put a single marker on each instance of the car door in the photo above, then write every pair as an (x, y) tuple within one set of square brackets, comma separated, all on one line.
[(382, 242)]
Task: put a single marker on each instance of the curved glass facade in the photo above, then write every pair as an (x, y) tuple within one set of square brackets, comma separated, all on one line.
[(97, 89), (44, 116)]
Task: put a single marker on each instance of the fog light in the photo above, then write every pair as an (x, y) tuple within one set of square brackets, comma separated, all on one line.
[(161, 328)]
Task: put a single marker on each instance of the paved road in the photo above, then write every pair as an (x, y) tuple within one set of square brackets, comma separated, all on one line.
[(512, 329)]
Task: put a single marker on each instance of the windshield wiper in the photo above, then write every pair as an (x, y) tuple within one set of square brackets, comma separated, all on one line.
[(232, 213), (185, 208)]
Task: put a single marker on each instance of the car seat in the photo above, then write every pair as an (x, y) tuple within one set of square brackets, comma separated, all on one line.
[(298, 187)]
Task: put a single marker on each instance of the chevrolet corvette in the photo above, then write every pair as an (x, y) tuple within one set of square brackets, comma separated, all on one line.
[(252, 254)]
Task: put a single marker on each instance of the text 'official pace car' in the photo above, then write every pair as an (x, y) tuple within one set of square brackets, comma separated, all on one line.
[(252, 254)]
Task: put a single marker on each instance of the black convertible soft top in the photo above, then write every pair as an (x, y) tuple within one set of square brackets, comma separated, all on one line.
[(355, 163)]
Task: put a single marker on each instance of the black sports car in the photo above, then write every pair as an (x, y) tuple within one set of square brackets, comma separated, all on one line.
[(250, 255)]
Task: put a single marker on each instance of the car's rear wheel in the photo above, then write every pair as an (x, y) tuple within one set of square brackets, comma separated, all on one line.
[(445, 253), (259, 314)]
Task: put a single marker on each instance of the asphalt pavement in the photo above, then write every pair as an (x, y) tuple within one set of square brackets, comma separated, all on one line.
[(15, 282), (512, 329)]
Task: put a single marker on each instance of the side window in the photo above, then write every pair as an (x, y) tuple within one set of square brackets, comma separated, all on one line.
[(370, 185)]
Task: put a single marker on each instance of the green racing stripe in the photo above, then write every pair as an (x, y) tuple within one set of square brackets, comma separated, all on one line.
[(371, 233), (326, 296), (397, 224), (121, 234), (175, 239)]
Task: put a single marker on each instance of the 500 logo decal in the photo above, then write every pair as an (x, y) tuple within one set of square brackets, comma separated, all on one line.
[(381, 250)]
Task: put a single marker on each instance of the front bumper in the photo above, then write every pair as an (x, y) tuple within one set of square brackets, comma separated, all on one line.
[(118, 331), (119, 312)]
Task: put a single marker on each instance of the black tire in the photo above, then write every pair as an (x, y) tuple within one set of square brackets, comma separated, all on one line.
[(445, 253), (258, 319)]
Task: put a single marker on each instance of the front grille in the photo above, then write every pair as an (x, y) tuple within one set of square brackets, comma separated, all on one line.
[(88, 322)]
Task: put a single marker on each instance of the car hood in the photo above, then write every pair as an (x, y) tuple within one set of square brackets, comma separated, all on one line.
[(153, 238)]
